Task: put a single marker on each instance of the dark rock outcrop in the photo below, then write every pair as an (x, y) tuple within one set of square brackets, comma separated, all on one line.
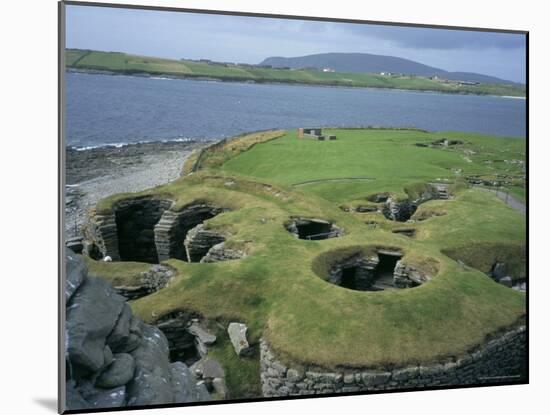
[(113, 359)]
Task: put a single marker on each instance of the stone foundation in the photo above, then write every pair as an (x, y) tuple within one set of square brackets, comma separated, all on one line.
[(198, 242), (148, 282), (220, 252), (173, 227), (381, 270), (144, 229), (499, 360)]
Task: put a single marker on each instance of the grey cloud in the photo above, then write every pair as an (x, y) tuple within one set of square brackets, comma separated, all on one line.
[(428, 38)]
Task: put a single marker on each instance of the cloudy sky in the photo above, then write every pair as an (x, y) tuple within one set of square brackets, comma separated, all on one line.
[(250, 39)]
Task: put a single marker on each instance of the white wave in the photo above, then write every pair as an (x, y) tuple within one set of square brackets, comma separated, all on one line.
[(120, 145)]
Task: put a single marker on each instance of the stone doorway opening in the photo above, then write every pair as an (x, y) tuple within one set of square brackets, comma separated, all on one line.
[(348, 277), (383, 273), (185, 350), (174, 227), (313, 229), (135, 222)]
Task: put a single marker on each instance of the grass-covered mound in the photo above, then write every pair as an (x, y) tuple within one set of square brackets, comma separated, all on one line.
[(278, 289)]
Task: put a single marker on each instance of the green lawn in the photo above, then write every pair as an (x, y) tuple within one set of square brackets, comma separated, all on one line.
[(370, 161), (127, 63), (279, 290)]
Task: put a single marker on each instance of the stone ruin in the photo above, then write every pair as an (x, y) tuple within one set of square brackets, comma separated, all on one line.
[(398, 210), (314, 133), (146, 229), (313, 229), (189, 340), (401, 210), (382, 270), (155, 278)]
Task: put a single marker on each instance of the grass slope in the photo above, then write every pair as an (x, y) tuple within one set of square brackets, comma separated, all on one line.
[(131, 64)]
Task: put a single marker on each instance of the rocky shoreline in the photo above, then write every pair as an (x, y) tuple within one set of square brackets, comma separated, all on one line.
[(96, 173)]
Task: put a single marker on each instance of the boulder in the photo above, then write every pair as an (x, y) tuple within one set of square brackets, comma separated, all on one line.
[(208, 368), (237, 335), (91, 316), (149, 386), (73, 398), (118, 373), (76, 272), (102, 398), (139, 373), (184, 385), (118, 338)]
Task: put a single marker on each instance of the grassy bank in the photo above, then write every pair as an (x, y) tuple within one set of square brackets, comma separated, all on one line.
[(279, 289), (132, 64)]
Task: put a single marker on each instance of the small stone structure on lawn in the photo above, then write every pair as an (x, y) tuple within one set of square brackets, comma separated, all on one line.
[(316, 133)]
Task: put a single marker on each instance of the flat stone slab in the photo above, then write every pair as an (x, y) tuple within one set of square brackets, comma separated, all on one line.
[(204, 336), (237, 335)]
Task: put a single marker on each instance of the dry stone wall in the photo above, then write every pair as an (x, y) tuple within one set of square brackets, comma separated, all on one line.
[(144, 229), (499, 360)]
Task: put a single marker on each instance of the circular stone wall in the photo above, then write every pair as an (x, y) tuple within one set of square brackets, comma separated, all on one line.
[(369, 269)]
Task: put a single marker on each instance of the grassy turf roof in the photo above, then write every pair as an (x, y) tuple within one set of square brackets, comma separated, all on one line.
[(276, 289)]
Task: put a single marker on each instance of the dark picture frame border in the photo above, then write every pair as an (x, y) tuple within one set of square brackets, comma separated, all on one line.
[(61, 201)]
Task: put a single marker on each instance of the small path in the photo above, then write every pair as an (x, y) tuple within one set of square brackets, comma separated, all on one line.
[(338, 179), (508, 199)]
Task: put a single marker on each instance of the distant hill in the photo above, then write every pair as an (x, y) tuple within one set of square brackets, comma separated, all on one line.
[(366, 62), (123, 63)]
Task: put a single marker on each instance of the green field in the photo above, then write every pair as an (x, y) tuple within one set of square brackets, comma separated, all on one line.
[(132, 64), (279, 290)]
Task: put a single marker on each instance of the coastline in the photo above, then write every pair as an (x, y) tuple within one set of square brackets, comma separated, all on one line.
[(95, 173), (202, 78)]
